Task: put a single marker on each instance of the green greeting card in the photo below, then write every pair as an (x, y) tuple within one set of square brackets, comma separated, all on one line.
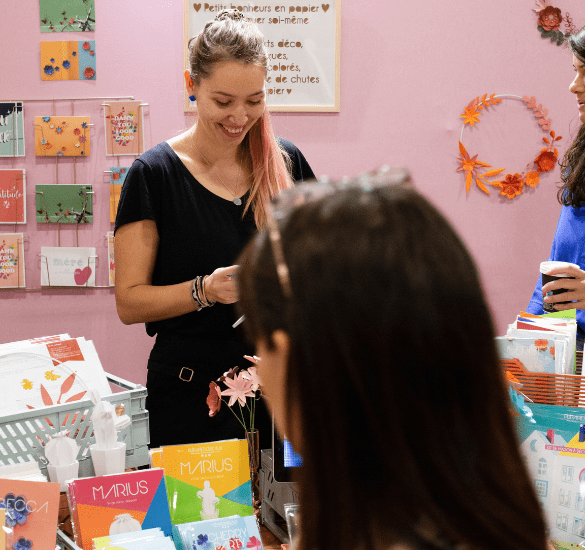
[(67, 15), (64, 203)]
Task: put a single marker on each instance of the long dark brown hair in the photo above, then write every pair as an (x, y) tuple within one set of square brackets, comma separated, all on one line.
[(572, 190), (407, 437)]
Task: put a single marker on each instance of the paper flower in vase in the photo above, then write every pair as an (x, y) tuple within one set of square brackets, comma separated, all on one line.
[(512, 184)]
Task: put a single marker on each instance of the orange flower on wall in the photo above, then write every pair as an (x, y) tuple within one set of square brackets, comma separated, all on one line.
[(546, 160), (510, 186)]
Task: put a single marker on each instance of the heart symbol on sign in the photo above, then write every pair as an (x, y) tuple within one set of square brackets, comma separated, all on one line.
[(288, 91), (82, 275), (325, 7), (197, 7)]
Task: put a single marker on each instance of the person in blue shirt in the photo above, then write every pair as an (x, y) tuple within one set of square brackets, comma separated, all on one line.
[(569, 240)]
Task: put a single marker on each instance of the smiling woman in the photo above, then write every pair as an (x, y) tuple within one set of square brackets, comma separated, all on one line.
[(187, 208)]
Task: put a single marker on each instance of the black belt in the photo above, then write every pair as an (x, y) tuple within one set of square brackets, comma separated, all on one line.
[(183, 373)]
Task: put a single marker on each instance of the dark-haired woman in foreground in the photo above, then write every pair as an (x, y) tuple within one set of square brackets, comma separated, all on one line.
[(378, 362), (569, 240)]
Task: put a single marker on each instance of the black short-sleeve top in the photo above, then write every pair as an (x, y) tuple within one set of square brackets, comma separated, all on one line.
[(198, 233)]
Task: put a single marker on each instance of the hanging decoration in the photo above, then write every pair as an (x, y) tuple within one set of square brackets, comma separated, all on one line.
[(549, 22), (512, 184)]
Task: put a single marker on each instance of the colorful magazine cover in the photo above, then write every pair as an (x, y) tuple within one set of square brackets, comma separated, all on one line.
[(31, 509), (208, 480), (121, 503)]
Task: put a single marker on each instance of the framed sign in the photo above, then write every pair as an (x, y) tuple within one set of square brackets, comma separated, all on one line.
[(303, 41)]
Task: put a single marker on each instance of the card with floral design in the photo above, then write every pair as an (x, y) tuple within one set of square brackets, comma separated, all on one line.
[(117, 178), (11, 260), (68, 265), (111, 262), (64, 203), (62, 136), (68, 60), (11, 129), (12, 196), (67, 15), (124, 128)]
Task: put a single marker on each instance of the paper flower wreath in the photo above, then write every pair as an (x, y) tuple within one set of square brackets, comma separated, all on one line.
[(512, 184)]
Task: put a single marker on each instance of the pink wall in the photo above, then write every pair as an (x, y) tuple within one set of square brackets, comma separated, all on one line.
[(408, 69)]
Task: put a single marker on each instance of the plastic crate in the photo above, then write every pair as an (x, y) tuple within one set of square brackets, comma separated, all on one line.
[(23, 436), (64, 542)]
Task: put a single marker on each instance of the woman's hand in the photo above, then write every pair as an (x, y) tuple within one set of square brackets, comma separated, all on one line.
[(220, 286), (575, 289)]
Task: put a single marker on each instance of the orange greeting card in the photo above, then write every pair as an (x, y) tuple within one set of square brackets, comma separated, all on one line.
[(68, 60), (62, 136), (31, 509)]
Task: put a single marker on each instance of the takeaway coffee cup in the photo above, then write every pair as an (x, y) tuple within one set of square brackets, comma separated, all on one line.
[(545, 267)]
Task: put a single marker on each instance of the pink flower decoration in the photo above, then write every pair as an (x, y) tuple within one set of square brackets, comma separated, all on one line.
[(238, 389), (77, 131), (252, 375), (254, 544)]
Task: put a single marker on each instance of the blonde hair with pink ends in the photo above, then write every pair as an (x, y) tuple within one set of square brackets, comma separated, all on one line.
[(236, 39), (270, 168)]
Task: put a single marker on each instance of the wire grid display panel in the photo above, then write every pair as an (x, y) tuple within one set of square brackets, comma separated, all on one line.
[(23, 436)]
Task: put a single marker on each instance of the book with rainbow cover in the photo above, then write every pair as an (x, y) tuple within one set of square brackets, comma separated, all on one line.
[(118, 503), (208, 480)]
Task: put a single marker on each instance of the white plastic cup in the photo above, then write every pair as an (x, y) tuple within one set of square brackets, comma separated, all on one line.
[(62, 474), (545, 267), (108, 461)]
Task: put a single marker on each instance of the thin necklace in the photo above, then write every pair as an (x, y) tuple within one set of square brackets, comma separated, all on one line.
[(236, 200)]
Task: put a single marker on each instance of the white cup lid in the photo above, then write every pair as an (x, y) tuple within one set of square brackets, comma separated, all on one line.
[(545, 267)]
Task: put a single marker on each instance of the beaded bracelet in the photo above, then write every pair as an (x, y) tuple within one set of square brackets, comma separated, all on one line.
[(198, 292)]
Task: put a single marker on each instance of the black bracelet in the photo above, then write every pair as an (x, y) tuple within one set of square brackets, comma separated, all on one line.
[(198, 292)]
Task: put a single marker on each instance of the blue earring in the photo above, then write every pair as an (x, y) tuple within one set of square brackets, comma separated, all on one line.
[(192, 98)]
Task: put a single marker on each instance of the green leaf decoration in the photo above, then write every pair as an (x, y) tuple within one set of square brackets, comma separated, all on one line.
[(540, 28), (546, 34)]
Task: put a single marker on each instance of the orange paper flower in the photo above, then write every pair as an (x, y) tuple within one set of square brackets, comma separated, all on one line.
[(510, 186), (532, 179), (546, 161), (470, 116), (541, 345)]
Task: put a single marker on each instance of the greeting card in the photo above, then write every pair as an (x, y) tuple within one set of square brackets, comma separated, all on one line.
[(12, 196), (62, 136), (31, 509), (67, 15), (124, 128), (208, 480), (64, 203), (233, 533), (68, 266), (11, 129), (111, 263), (68, 60), (117, 178), (11, 260)]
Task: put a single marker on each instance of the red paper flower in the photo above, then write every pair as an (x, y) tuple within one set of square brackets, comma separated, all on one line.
[(115, 176), (122, 170), (214, 399), (545, 161), (510, 186), (550, 18), (86, 45), (77, 131), (551, 350), (89, 72)]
